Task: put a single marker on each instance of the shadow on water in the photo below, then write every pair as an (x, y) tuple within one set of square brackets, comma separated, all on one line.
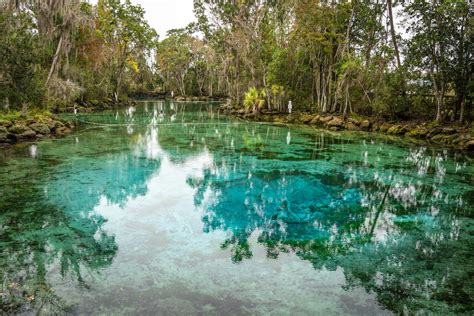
[(398, 221)]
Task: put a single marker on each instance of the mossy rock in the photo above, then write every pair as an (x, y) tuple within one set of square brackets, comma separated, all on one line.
[(419, 132), (351, 126), (397, 130), (449, 131), (444, 139), (336, 122), (365, 125), (58, 124), (40, 128), (305, 118), (18, 129), (3, 130), (435, 131), (28, 134), (354, 121), (460, 139), (315, 120), (50, 123), (325, 119), (384, 127), (280, 119), (469, 146), (63, 130), (3, 137), (5, 123)]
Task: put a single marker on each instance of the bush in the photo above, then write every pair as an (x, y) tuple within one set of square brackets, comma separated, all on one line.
[(254, 99), (62, 93)]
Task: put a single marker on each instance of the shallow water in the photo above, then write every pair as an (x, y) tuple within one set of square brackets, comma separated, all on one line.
[(170, 208)]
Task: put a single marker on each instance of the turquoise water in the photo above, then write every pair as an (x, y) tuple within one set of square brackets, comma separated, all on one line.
[(171, 208)]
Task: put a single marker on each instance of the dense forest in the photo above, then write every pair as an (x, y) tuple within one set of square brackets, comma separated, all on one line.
[(394, 59), (58, 51)]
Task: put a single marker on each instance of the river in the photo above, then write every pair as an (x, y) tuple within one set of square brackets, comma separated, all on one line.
[(172, 208)]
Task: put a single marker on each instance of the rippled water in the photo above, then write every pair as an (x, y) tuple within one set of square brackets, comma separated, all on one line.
[(171, 208)]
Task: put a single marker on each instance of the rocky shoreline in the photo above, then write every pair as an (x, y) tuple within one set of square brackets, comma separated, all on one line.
[(89, 106), (198, 99), (32, 129), (460, 137)]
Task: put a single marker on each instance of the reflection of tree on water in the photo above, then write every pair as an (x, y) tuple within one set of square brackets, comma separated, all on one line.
[(403, 234), (51, 224), (36, 235)]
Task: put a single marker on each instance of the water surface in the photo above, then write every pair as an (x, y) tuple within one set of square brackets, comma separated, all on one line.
[(171, 208)]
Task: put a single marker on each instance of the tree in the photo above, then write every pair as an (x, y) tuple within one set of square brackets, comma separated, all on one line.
[(174, 59), (435, 42), (20, 78), (126, 35)]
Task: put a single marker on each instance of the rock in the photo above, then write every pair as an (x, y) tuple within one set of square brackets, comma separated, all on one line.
[(58, 124), (435, 131), (351, 126), (460, 139), (29, 134), (292, 118), (39, 136), (18, 129), (305, 118), (4, 145), (354, 122), (325, 119), (336, 122), (419, 132), (5, 123), (469, 145), (50, 123), (3, 137), (3, 130), (334, 128), (448, 131), (63, 130), (315, 120), (40, 128), (397, 130), (384, 127), (365, 125), (280, 119), (443, 139)]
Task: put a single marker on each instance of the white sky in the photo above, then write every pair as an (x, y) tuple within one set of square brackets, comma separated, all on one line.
[(164, 15)]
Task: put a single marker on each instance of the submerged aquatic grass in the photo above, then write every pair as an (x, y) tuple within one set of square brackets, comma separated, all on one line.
[(170, 207)]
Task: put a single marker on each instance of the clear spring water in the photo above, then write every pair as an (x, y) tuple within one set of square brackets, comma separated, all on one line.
[(169, 208)]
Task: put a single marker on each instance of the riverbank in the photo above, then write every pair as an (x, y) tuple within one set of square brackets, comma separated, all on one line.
[(15, 128), (37, 125), (452, 135), (89, 106)]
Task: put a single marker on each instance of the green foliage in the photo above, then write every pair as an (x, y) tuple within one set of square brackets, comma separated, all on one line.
[(255, 98), (53, 55), (335, 56), (20, 77)]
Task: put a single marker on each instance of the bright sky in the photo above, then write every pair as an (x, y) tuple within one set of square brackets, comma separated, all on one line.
[(164, 15)]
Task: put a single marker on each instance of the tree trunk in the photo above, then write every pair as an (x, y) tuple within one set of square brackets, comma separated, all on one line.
[(392, 31), (461, 114), (440, 105), (55, 60)]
